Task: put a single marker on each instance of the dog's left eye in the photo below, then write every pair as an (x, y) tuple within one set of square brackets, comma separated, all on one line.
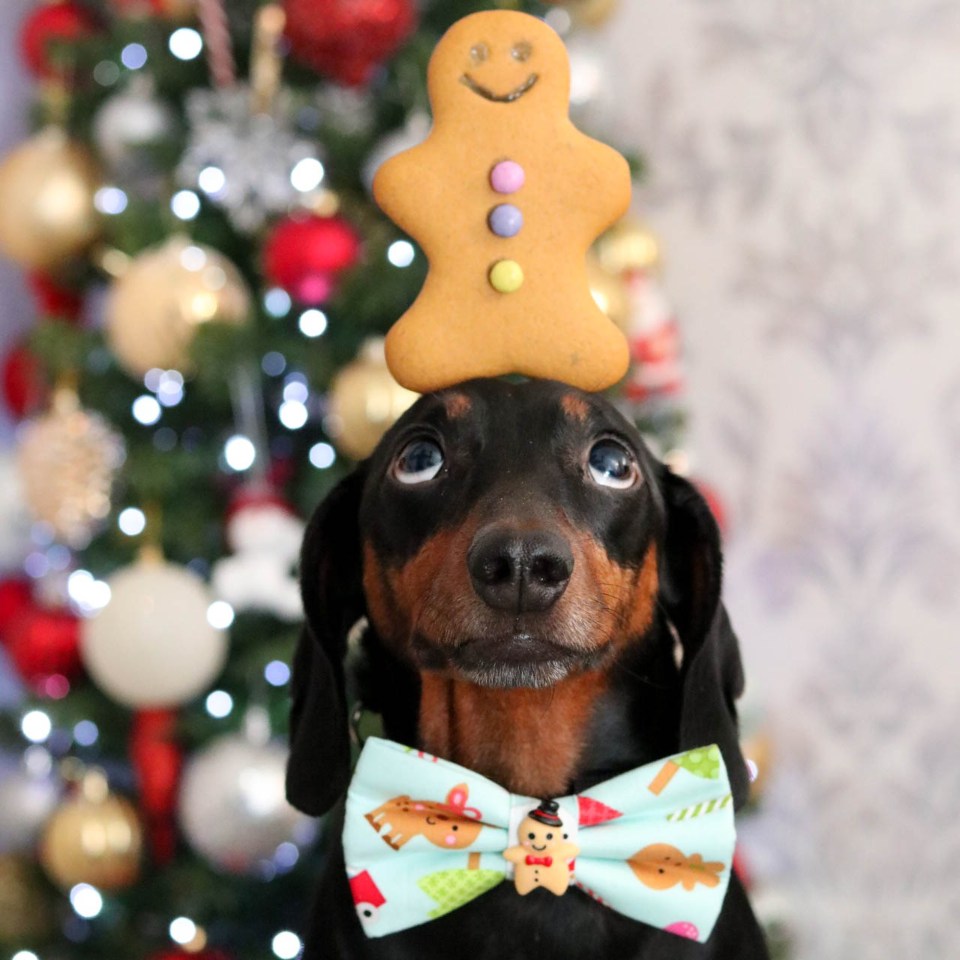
[(419, 462), (612, 465)]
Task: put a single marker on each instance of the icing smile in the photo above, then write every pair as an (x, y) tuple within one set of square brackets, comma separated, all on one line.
[(515, 94)]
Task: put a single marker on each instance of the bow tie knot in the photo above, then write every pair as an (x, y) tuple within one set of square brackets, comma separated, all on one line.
[(423, 836)]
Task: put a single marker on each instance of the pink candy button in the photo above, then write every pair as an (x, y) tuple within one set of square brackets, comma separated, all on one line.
[(507, 177)]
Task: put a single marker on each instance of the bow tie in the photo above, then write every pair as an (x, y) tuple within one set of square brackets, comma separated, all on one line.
[(423, 836)]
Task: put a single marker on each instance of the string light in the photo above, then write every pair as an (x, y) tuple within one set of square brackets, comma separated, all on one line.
[(134, 56), (219, 704), (313, 323), (220, 614), (276, 673), (401, 253), (86, 901), (186, 43), (322, 456), (239, 452), (132, 521), (183, 930), (286, 945), (36, 726)]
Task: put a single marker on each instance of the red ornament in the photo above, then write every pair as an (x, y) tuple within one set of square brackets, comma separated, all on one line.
[(55, 23), (15, 596), (347, 39), (21, 380), (44, 647), (52, 299), (305, 255), (157, 760)]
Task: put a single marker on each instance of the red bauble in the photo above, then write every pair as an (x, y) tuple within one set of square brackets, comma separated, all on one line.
[(347, 39), (54, 23), (15, 597), (44, 647), (21, 380), (305, 255), (52, 299), (157, 759)]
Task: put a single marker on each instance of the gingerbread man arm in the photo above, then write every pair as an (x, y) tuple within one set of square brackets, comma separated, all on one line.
[(565, 851), (598, 170), (515, 854), (403, 183)]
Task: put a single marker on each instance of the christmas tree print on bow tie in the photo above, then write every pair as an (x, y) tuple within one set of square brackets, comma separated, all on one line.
[(452, 889), (703, 763)]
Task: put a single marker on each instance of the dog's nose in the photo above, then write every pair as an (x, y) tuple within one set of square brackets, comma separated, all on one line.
[(523, 571)]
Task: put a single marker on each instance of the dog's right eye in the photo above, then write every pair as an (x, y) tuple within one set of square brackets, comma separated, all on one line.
[(419, 462)]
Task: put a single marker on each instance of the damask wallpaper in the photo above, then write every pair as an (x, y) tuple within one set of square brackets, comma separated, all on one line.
[(805, 182)]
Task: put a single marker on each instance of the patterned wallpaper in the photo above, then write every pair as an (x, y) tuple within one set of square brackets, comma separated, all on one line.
[(805, 159)]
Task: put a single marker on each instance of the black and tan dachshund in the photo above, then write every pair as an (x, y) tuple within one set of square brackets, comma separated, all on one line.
[(544, 608)]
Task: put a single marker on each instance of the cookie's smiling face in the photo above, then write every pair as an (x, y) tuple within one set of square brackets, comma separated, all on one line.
[(499, 57), (482, 55)]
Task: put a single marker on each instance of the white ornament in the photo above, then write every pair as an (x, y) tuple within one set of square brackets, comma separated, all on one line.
[(247, 162), (233, 807), (127, 129), (260, 575), (29, 793), (14, 518), (152, 645)]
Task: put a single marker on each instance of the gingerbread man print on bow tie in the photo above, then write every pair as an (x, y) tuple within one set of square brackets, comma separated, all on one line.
[(505, 196), (543, 856)]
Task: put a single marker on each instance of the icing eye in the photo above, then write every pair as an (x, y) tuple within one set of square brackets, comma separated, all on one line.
[(612, 465), (418, 462), (531, 836), (549, 836), (479, 52), (521, 51)]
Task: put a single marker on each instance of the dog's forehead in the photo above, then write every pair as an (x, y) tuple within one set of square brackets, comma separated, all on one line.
[(516, 411)]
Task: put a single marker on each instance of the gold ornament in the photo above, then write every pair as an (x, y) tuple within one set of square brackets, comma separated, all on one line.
[(25, 912), (47, 213), (165, 294), (67, 461), (365, 401), (590, 13), (627, 246), (94, 837), (609, 292)]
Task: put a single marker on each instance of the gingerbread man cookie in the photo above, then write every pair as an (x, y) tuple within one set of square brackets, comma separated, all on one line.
[(543, 856), (505, 196)]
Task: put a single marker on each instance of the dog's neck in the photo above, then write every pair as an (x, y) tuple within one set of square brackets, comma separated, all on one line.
[(529, 741), (568, 736)]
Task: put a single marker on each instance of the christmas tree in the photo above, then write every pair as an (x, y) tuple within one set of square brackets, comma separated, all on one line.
[(211, 279)]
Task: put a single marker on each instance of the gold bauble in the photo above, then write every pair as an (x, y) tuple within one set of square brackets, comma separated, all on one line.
[(94, 837), (628, 245), (365, 401), (47, 213), (590, 13), (25, 912), (609, 292), (163, 296), (67, 460)]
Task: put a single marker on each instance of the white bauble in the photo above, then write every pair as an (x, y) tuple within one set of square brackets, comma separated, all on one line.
[(14, 518), (152, 645), (266, 539), (29, 793), (128, 128), (233, 807)]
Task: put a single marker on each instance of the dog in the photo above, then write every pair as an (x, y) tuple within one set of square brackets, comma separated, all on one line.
[(543, 607)]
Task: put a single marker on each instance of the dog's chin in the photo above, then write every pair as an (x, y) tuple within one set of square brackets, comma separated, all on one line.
[(510, 662)]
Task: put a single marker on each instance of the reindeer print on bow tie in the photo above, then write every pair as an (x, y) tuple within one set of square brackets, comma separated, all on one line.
[(451, 825)]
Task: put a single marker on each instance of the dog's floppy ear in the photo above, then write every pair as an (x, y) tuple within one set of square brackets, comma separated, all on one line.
[(712, 674), (331, 585)]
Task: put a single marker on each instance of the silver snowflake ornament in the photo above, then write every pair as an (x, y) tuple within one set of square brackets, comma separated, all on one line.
[(253, 165)]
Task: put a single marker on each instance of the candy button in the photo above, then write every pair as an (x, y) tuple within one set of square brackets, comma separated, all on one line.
[(507, 177), (506, 276), (505, 220)]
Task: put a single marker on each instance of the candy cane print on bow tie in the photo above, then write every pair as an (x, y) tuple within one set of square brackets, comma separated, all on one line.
[(423, 837)]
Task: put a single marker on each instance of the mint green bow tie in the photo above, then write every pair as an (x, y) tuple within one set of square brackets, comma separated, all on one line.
[(423, 837)]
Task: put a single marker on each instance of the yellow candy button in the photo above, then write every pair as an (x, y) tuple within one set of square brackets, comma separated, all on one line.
[(506, 276)]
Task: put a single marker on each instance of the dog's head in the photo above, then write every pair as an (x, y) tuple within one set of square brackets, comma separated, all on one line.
[(508, 535)]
